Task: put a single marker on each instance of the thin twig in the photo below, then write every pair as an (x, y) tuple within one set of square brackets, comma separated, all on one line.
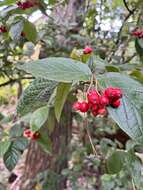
[(89, 136), (127, 7), (134, 188), (90, 139)]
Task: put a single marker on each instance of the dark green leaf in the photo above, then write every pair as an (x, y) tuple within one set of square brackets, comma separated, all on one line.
[(11, 157), (20, 143), (128, 115), (58, 69), (30, 31), (137, 75), (36, 95), (44, 141), (16, 131), (115, 162)]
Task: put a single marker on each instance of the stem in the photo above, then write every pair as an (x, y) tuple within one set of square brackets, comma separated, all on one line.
[(134, 188), (91, 83), (90, 139), (89, 136)]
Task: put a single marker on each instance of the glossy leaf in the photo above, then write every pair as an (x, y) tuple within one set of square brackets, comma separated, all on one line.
[(58, 69), (128, 115)]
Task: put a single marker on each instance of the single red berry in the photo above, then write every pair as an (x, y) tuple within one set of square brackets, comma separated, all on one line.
[(138, 33), (94, 113), (23, 34), (118, 93), (104, 101), (25, 5), (93, 97), (87, 50), (102, 111), (27, 133), (35, 135), (3, 29), (113, 93), (76, 106), (94, 107), (84, 107), (116, 103)]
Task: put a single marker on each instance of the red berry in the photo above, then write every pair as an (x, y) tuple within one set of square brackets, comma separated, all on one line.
[(35, 135), (138, 33), (93, 97), (94, 107), (84, 107), (27, 133), (25, 5), (104, 101), (76, 106), (23, 34), (94, 113), (87, 50), (113, 93), (3, 29), (116, 103), (102, 111)]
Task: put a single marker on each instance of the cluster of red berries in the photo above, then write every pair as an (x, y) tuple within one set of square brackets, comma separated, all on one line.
[(138, 33), (3, 29), (25, 5), (87, 50), (97, 103), (29, 134)]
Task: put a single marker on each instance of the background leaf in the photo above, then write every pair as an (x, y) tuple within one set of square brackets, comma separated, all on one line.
[(30, 31), (115, 162)]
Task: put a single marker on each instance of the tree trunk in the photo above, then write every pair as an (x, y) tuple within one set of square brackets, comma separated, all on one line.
[(37, 160)]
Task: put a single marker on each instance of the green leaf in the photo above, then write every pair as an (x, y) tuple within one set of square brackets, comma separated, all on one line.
[(44, 141), (137, 75), (128, 116), (4, 145), (58, 69), (20, 143), (16, 131), (30, 31), (11, 157), (51, 120), (36, 95), (115, 162), (7, 2), (112, 69), (39, 117), (15, 30), (61, 96)]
